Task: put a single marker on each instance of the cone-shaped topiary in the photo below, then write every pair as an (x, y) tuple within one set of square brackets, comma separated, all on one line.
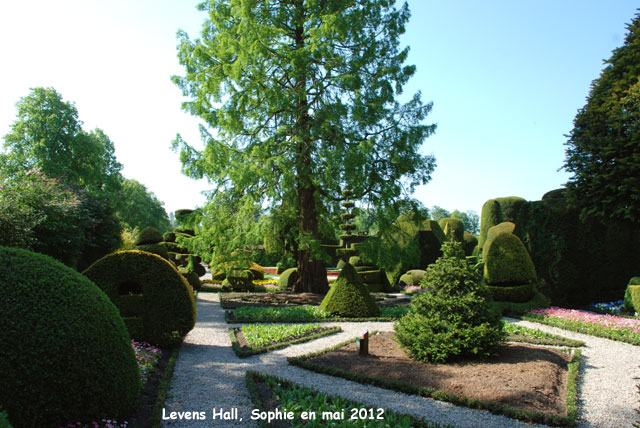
[(155, 301), (348, 296), (453, 318), (149, 235), (66, 355)]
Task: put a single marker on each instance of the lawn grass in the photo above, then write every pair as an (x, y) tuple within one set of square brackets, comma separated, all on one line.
[(264, 338), (251, 314), (300, 399)]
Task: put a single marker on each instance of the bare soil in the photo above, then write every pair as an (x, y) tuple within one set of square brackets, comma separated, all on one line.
[(522, 376)]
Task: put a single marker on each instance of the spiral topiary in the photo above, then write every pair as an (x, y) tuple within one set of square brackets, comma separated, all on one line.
[(66, 354), (156, 302), (453, 318)]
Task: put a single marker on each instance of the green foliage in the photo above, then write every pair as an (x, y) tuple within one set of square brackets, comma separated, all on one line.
[(60, 333), (470, 243), (507, 262), (287, 279), (632, 295), (494, 231), (452, 319), (491, 215), (169, 237), (304, 314), (300, 103), (159, 249), (516, 309), (412, 277), (140, 208), (149, 235), (264, 334), (167, 307), (454, 226), (510, 208), (604, 145), (348, 296), (470, 220), (517, 293)]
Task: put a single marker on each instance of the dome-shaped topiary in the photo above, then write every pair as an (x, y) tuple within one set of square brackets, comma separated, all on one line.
[(348, 296), (454, 226), (453, 318), (491, 215), (66, 355), (288, 279), (508, 263), (412, 277), (149, 235), (155, 301), (159, 249), (498, 229)]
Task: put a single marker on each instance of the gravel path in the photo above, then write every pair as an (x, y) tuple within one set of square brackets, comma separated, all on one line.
[(208, 376)]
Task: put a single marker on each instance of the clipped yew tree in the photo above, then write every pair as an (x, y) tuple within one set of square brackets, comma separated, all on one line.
[(154, 299), (348, 297), (66, 355), (452, 319)]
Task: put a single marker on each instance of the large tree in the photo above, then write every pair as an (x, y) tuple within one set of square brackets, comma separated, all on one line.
[(603, 150), (140, 208), (300, 99)]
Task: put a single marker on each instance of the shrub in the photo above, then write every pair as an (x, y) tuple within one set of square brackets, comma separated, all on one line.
[(167, 308), (632, 295), (169, 237), (192, 278), (511, 207), (513, 308), (287, 279), (498, 229), (149, 235), (65, 354), (412, 277), (355, 261), (454, 226), (490, 215), (453, 319), (470, 243), (507, 262), (159, 249), (239, 280), (348, 296)]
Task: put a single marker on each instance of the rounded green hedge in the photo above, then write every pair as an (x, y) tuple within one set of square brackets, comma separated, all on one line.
[(288, 279), (454, 225), (167, 307), (507, 262), (517, 293), (66, 355), (149, 235), (412, 277), (159, 249)]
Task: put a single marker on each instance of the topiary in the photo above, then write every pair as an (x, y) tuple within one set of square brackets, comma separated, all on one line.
[(507, 262), (470, 243), (355, 261), (511, 207), (348, 296), (454, 226), (159, 249), (239, 280), (169, 237), (412, 277), (66, 354), (632, 295), (453, 319), (498, 229), (164, 308), (287, 279), (148, 235), (491, 215), (191, 277)]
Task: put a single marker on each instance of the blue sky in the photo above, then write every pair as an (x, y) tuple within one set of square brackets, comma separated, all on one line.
[(506, 79)]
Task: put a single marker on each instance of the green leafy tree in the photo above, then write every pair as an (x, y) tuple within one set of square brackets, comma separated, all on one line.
[(603, 149), (470, 220), (140, 208), (438, 213), (300, 100), (48, 136)]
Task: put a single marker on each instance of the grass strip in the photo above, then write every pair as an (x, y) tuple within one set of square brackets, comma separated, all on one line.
[(156, 414), (579, 327), (522, 334), (436, 394), (321, 402), (247, 352), (293, 314)]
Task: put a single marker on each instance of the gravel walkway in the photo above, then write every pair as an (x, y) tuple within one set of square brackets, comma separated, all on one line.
[(209, 376)]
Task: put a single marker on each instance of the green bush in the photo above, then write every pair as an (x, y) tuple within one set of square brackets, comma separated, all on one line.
[(169, 237), (348, 297), (632, 295), (66, 354), (516, 309), (489, 217), (453, 319), (355, 261), (470, 243), (341, 264), (159, 249), (192, 278), (517, 293), (507, 262), (239, 280), (168, 310), (288, 279), (412, 277), (498, 229), (511, 208), (454, 226), (149, 235)]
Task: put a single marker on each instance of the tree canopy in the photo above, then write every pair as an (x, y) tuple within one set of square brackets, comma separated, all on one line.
[(300, 102), (140, 208), (603, 149)]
